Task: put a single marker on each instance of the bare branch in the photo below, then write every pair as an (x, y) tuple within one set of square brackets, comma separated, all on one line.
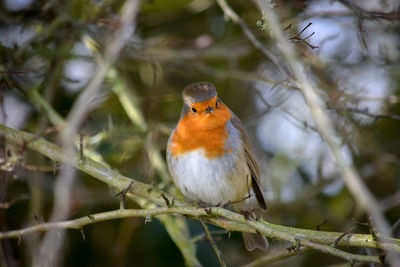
[(367, 113), (224, 218), (297, 37), (214, 246), (231, 14), (353, 181), (229, 220)]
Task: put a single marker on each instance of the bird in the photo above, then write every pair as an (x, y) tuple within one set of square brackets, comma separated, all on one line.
[(210, 158)]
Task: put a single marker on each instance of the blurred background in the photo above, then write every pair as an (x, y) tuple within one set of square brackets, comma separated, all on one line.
[(48, 54)]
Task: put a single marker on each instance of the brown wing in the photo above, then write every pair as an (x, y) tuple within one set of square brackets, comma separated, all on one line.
[(251, 162)]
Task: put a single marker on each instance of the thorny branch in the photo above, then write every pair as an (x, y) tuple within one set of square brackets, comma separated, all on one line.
[(231, 221), (324, 124)]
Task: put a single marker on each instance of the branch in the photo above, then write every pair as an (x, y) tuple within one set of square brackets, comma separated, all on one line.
[(212, 242), (231, 14), (274, 257), (297, 37), (353, 181), (193, 212), (367, 113), (231, 221)]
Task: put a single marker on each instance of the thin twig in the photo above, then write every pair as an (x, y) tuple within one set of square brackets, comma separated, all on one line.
[(367, 113), (321, 224), (203, 236), (8, 204), (297, 37), (122, 194), (339, 253), (214, 246), (81, 148), (231, 14), (270, 258), (342, 236)]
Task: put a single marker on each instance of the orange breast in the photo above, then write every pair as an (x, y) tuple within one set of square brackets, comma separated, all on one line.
[(206, 131)]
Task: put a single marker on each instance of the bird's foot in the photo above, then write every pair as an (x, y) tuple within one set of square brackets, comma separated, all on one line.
[(250, 214)]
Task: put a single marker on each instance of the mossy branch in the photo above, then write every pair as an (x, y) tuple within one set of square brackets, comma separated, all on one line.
[(223, 218), (318, 240)]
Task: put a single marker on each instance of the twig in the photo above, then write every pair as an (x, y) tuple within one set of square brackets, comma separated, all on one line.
[(297, 37), (231, 14), (361, 14), (341, 236), (274, 257), (203, 236), (8, 204), (321, 224), (392, 200), (339, 253), (391, 16), (396, 226), (298, 34), (123, 195), (214, 246), (40, 168), (2, 109), (353, 181), (81, 148), (367, 113)]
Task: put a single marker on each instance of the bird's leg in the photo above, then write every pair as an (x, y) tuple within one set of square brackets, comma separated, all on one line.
[(250, 214), (206, 207), (232, 202)]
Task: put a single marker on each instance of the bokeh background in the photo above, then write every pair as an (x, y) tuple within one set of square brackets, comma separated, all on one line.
[(50, 48)]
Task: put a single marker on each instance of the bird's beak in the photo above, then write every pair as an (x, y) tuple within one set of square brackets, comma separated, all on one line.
[(209, 109)]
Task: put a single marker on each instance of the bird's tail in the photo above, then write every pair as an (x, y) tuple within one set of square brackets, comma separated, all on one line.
[(253, 241)]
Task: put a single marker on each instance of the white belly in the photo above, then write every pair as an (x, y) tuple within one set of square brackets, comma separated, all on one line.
[(212, 181)]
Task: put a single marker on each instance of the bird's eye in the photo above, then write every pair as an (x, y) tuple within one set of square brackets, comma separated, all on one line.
[(194, 110)]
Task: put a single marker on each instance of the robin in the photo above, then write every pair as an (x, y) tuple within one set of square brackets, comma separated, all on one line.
[(210, 157)]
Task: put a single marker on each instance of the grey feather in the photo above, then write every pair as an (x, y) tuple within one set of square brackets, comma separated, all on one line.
[(251, 162), (198, 92)]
